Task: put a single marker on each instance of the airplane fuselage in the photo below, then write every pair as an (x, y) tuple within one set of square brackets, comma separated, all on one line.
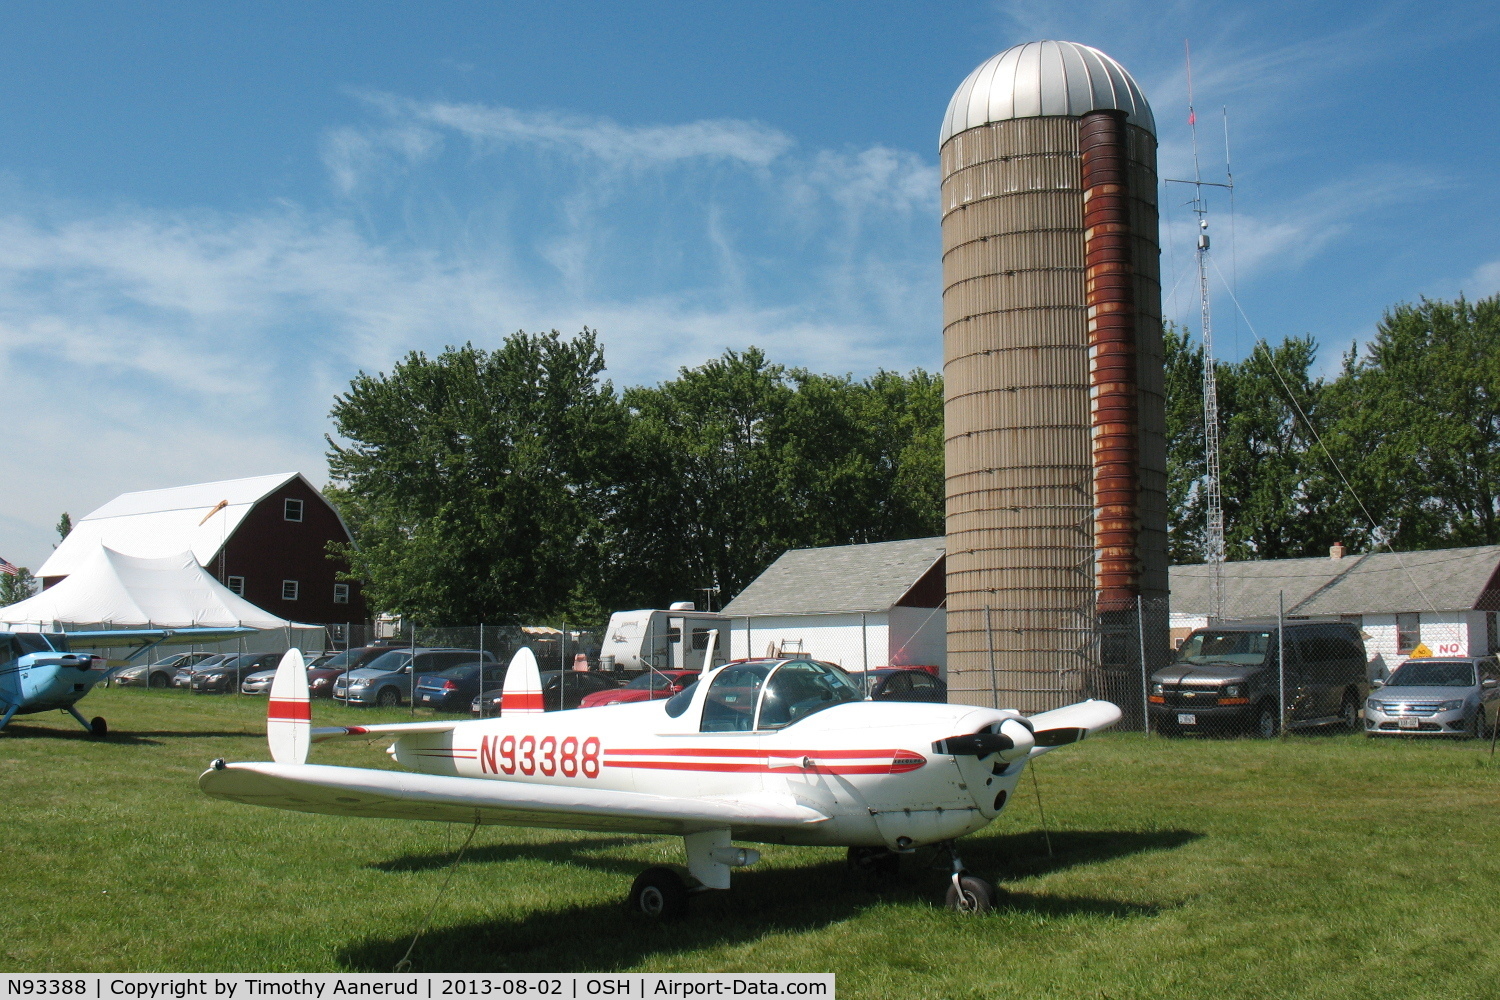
[(869, 766)]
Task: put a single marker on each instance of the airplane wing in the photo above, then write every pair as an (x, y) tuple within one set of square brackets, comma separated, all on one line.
[(1062, 726), (351, 791)]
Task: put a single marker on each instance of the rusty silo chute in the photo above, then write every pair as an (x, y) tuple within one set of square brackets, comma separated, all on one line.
[(1055, 421)]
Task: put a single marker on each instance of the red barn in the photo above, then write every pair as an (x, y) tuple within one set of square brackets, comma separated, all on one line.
[(265, 538)]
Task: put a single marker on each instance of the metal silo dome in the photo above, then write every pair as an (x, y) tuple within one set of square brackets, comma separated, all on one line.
[(1041, 79)]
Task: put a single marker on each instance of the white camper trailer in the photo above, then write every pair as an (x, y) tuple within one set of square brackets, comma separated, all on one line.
[(675, 639)]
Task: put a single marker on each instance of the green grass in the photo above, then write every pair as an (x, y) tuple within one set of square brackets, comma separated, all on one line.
[(1311, 867)]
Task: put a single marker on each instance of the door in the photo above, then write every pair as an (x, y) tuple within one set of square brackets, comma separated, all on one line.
[(1304, 695), (10, 670)]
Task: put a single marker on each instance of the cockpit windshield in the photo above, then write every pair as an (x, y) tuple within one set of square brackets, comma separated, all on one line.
[(730, 706), (801, 688)]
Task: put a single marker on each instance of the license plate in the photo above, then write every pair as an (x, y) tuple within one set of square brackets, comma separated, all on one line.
[(1408, 723), (1185, 719), (427, 697)]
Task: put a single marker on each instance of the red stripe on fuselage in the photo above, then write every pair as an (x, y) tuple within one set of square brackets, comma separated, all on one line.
[(766, 752), (673, 765), (290, 711)]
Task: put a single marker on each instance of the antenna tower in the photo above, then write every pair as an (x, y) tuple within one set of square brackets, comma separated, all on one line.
[(1213, 540)]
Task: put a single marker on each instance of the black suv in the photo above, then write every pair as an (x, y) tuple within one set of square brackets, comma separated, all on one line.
[(1225, 679)]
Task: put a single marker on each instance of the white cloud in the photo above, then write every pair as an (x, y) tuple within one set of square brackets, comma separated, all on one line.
[(158, 348), (1484, 282)]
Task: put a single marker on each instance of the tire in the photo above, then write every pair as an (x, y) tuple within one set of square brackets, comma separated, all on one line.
[(1477, 730), (1349, 713), (159, 681), (659, 894), (388, 698), (972, 896), (874, 862), (98, 726), (1266, 724)]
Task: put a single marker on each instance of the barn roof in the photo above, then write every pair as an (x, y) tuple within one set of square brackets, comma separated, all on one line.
[(159, 523), (868, 577), (1375, 583)]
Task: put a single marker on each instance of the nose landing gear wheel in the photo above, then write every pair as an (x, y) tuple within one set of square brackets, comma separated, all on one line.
[(971, 894), (98, 726), (659, 894)]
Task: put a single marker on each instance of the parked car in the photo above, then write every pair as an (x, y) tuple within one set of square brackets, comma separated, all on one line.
[(322, 676), (260, 681), (158, 674), (388, 678), (560, 689), (453, 689), (1451, 696), (1226, 679), (649, 686), (901, 684), (224, 677), (183, 678)]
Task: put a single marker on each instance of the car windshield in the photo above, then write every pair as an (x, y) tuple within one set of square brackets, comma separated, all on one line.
[(649, 682), (1247, 648), (1432, 673), (391, 662)]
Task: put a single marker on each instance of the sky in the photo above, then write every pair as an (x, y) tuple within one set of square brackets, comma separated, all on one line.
[(212, 216)]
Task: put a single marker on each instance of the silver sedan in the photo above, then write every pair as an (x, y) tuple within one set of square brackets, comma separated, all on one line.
[(1431, 697)]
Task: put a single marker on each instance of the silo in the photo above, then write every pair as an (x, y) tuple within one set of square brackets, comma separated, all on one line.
[(1054, 413)]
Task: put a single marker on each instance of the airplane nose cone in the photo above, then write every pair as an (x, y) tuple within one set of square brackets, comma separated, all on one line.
[(1021, 738)]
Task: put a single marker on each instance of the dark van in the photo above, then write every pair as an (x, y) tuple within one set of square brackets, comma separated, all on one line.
[(1225, 679)]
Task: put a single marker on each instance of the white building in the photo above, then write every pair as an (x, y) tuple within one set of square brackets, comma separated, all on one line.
[(860, 606), (1445, 599)]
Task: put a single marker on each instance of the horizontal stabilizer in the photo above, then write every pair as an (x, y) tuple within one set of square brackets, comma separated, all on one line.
[(1063, 726), (325, 733), (352, 791)]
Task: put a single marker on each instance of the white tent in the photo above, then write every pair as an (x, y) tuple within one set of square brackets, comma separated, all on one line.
[(112, 589)]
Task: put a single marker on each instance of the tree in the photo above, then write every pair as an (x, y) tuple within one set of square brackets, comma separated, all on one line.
[(1185, 463), (476, 483), (1418, 431), (739, 459), (16, 587), (64, 526)]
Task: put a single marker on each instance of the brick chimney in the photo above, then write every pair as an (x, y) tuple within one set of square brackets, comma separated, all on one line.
[(1336, 551)]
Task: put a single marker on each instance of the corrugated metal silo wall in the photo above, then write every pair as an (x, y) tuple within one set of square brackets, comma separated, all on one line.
[(1021, 625)]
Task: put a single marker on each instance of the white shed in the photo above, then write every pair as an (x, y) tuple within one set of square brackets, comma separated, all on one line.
[(1444, 599), (860, 606)]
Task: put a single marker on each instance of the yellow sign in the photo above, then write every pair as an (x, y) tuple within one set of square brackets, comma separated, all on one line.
[(1421, 651)]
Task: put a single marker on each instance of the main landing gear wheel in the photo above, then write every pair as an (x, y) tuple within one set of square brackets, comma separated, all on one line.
[(971, 894), (98, 726), (659, 894), (874, 862)]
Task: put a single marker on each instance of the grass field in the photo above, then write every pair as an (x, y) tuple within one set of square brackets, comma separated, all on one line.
[(1309, 867)]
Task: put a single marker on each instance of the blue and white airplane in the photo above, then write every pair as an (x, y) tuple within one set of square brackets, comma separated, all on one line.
[(39, 673)]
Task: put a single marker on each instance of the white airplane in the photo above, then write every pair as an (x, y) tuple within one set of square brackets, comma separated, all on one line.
[(772, 751)]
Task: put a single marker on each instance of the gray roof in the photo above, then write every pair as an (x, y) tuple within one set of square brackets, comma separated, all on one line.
[(869, 577), (1376, 583)]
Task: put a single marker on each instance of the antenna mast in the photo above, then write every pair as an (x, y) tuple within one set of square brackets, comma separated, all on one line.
[(1214, 526)]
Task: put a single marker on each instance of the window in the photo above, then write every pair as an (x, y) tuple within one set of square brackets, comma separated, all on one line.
[(236, 585), (289, 590), (1491, 633), (292, 511), (1408, 631), (340, 593), (802, 687), (730, 707)]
